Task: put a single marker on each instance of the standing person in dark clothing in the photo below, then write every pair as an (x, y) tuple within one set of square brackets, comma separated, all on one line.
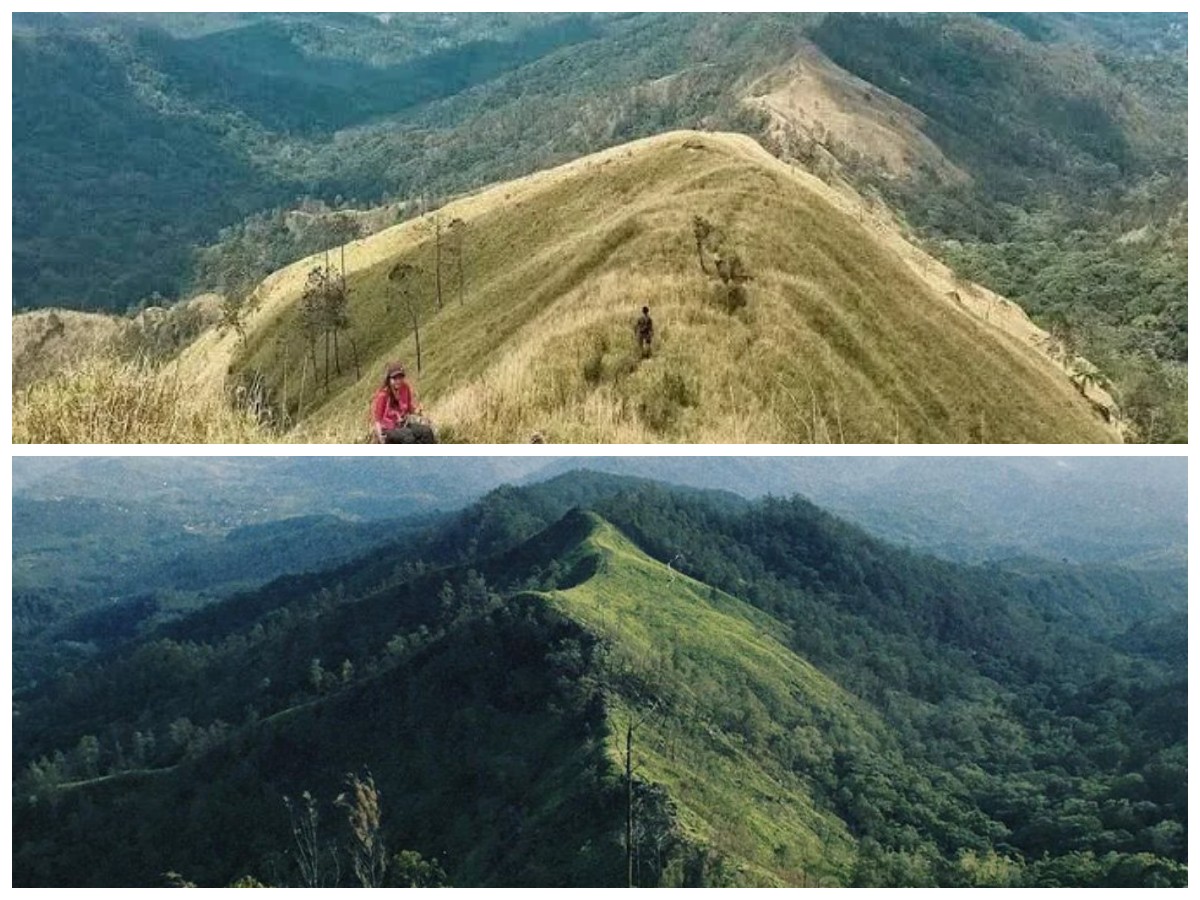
[(644, 329), (394, 408)]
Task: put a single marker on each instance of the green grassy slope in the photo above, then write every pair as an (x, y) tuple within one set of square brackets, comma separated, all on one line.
[(514, 715), (716, 671), (839, 339)]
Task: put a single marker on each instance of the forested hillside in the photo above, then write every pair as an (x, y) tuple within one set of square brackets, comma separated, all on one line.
[(803, 705), (1074, 131), (1081, 509), (194, 133), (106, 548), (187, 535)]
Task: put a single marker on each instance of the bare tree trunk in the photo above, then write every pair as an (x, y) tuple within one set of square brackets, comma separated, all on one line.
[(629, 802), (284, 406), (417, 337), (337, 359), (326, 360), (437, 259), (461, 282), (303, 380), (354, 350), (312, 352)]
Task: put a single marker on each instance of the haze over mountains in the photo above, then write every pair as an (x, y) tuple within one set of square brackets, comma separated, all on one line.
[(188, 531), (1043, 156), (805, 705), (1084, 508)]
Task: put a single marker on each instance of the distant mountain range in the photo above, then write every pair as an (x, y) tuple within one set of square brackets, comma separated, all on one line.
[(1087, 509)]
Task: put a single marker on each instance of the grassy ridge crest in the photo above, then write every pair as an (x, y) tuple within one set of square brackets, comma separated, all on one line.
[(711, 664), (840, 335)]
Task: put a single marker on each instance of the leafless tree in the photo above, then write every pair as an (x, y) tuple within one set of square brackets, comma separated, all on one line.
[(304, 822), (405, 277), (702, 230), (457, 245), (437, 258)]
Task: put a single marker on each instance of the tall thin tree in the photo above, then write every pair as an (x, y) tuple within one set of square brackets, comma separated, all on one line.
[(405, 277), (437, 257), (458, 232)]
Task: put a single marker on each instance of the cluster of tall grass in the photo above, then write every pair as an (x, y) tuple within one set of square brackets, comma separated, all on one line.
[(104, 399)]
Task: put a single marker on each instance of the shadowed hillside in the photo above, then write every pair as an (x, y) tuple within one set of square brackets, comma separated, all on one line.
[(805, 705), (781, 316)]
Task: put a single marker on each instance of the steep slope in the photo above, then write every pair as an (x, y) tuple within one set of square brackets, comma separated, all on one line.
[(822, 114), (492, 704), (842, 332), (518, 692), (1073, 130), (722, 687)]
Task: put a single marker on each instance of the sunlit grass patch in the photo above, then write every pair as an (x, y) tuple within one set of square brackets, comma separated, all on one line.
[(104, 400)]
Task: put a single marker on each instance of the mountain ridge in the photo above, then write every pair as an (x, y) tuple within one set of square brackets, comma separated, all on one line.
[(800, 724), (506, 361)]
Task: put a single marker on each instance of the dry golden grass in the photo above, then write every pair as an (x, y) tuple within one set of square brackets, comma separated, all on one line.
[(810, 97), (47, 340), (104, 400), (849, 334)]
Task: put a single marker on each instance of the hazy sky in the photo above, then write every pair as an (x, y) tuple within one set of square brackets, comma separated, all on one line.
[(1080, 507)]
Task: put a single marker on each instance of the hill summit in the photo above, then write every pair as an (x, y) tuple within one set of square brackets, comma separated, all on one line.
[(785, 310)]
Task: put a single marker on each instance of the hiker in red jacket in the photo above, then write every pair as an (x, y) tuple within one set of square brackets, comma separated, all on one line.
[(394, 410)]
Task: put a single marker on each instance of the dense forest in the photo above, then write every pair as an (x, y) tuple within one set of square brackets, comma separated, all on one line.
[(187, 535), (199, 133), (466, 695)]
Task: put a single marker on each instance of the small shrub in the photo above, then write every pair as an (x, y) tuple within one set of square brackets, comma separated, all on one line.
[(735, 297), (593, 365), (677, 390), (672, 394)]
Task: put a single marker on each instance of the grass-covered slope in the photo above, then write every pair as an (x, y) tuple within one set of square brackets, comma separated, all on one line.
[(489, 728), (840, 333), (702, 673)]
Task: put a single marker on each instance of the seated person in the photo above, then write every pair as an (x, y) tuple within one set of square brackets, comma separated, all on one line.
[(394, 408)]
